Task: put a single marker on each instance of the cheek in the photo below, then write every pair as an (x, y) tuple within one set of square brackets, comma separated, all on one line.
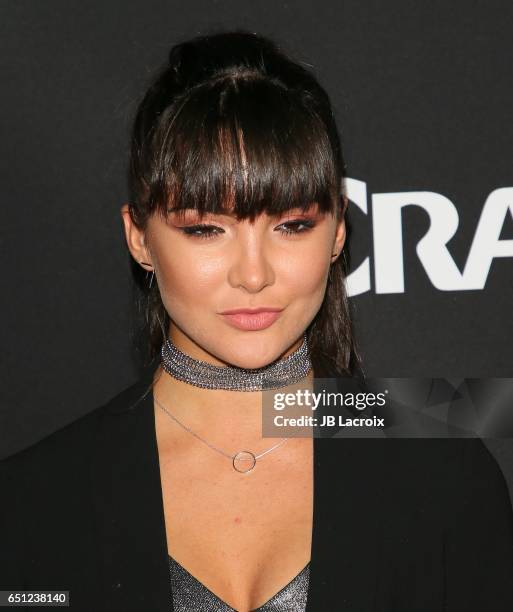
[(307, 272), (185, 288), (304, 281)]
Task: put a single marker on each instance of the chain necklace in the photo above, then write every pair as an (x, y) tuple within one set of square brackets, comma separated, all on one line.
[(279, 373), (240, 456)]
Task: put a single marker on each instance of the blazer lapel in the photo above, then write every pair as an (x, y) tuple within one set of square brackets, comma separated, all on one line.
[(346, 524), (129, 511), (345, 537)]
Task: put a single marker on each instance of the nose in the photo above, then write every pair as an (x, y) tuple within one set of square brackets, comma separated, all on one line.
[(252, 267)]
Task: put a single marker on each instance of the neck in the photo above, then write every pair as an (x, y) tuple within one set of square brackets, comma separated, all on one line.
[(282, 371)]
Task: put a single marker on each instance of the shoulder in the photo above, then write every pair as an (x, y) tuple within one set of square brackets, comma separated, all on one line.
[(447, 476), (68, 447), (54, 447), (457, 463)]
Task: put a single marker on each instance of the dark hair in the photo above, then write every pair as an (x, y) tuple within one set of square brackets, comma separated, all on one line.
[(230, 120)]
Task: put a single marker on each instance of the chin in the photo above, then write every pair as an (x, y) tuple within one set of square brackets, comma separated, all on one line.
[(249, 362), (257, 353)]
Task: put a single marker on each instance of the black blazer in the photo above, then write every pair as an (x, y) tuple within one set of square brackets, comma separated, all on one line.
[(399, 524)]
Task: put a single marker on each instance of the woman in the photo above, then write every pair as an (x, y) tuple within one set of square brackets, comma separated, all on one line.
[(167, 497)]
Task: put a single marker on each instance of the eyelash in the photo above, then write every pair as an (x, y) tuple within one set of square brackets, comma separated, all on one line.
[(210, 229)]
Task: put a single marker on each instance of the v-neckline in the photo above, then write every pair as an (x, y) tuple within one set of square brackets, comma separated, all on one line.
[(269, 600)]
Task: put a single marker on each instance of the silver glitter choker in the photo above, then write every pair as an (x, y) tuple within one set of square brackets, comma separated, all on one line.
[(196, 372)]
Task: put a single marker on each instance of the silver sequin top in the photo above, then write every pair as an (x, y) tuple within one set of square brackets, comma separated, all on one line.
[(189, 594)]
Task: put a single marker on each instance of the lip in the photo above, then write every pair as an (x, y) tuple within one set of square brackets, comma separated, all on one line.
[(251, 310), (252, 320)]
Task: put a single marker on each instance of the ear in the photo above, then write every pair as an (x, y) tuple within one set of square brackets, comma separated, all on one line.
[(135, 240)]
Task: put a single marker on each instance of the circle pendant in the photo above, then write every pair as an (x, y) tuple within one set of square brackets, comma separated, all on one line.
[(244, 456)]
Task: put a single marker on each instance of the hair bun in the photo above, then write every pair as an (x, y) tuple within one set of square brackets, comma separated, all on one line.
[(209, 56)]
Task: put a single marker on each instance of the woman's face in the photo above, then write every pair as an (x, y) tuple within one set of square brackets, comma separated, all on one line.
[(205, 266)]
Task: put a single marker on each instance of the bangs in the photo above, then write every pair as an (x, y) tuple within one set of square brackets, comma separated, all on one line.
[(246, 146)]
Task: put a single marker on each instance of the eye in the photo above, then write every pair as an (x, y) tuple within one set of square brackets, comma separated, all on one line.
[(289, 228), (296, 226), (201, 231)]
